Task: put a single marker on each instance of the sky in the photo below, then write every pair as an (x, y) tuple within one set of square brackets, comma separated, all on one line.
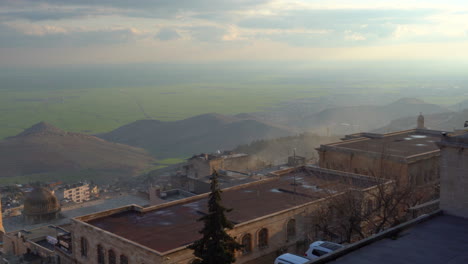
[(41, 33)]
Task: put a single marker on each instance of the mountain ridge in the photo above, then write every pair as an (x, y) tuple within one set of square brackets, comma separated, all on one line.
[(202, 133), (44, 148)]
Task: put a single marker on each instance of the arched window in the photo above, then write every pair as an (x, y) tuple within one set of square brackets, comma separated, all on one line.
[(370, 206), (100, 255), (13, 248), (84, 247), (112, 259), (291, 229), (123, 259), (247, 244), (263, 238)]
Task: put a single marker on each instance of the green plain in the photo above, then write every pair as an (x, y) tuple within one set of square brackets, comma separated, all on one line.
[(102, 110)]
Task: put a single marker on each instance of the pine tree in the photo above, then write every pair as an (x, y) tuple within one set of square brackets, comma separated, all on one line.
[(216, 246)]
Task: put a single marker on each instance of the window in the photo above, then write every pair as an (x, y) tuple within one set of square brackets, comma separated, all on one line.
[(247, 244), (123, 259), (291, 229), (263, 238), (318, 253), (370, 207), (100, 255), (111, 257), (84, 247), (13, 248)]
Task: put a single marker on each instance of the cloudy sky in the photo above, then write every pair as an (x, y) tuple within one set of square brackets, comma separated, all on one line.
[(61, 32)]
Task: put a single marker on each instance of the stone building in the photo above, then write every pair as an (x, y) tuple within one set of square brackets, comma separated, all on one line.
[(411, 156), (157, 196), (205, 164), (295, 161), (226, 179), (271, 216), (32, 246), (454, 174), (40, 205)]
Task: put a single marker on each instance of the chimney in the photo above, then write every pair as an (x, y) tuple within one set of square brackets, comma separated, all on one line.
[(154, 194)]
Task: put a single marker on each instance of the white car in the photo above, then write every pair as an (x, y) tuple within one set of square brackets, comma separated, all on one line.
[(320, 248), (290, 259)]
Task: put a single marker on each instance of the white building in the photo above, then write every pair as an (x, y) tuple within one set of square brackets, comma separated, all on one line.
[(77, 193)]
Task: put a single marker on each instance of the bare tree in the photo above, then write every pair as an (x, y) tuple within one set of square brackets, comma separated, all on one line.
[(387, 205), (341, 218)]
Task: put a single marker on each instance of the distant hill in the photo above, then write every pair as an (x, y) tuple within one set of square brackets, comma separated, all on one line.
[(459, 106), (203, 133), (44, 149), (293, 112), (447, 121), (345, 120)]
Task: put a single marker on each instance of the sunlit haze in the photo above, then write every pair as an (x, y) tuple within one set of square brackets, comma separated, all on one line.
[(57, 32)]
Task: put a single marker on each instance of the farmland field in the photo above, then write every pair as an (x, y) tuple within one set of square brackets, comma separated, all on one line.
[(99, 99), (101, 110)]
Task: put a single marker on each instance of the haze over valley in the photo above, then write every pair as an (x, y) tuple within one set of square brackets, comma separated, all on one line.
[(176, 111)]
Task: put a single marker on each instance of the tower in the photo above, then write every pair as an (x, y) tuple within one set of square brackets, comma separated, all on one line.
[(420, 121)]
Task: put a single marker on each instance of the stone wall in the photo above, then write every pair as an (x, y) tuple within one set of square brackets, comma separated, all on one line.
[(417, 170), (362, 163), (14, 245), (276, 224), (454, 179), (243, 163), (94, 237), (200, 167)]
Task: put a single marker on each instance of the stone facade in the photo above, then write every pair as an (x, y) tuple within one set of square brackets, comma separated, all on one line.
[(203, 165), (287, 230), (454, 174), (385, 162), (38, 242)]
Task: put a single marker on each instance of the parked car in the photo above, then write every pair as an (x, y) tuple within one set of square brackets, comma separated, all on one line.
[(320, 248), (290, 259)]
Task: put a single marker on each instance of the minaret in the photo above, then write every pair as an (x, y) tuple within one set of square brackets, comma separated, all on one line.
[(420, 121)]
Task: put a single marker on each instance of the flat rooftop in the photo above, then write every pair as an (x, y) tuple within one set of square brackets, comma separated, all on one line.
[(17, 222), (403, 144), (173, 226), (443, 239)]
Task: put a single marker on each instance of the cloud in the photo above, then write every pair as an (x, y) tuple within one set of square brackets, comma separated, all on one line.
[(335, 18), (167, 34), (38, 9), (342, 26), (29, 35), (207, 33), (354, 36), (223, 29), (55, 13)]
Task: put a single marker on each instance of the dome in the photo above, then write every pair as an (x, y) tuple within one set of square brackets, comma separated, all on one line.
[(40, 202)]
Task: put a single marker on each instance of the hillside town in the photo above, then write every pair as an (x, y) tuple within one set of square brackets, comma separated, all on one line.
[(363, 189)]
